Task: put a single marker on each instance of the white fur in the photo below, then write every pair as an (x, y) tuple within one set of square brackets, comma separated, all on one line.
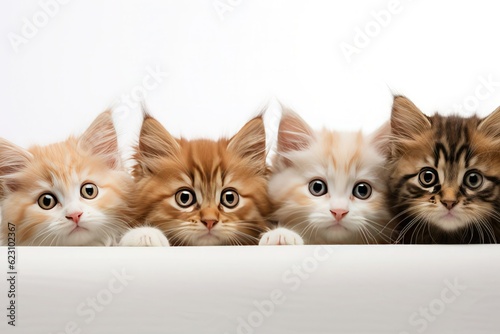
[(281, 236), (309, 215), (144, 236)]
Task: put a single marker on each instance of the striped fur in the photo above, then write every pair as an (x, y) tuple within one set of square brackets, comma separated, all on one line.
[(166, 165), (449, 211)]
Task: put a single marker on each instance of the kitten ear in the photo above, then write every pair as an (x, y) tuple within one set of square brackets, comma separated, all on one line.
[(100, 138), (250, 141), (294, 134), (491, 124), (381, 138), (406, 119), (154, 142), (13, 159)]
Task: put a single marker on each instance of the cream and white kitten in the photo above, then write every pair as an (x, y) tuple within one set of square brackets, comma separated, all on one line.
[(70, 193), (328, 187)]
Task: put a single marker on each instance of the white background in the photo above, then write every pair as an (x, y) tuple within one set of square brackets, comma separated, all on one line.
[(223, 67)]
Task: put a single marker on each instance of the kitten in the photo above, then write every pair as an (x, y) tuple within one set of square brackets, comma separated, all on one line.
[(329, 187), (199, 192), (70, 193), (445, 180)]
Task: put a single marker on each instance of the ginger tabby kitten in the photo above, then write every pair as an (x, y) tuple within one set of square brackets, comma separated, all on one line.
[(199, 192)]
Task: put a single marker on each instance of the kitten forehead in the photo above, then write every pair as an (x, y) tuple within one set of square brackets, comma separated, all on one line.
[(349, 150), (343, 152), (62, 165), (206, 166), (210, 161), (65, 182), (453, 141)]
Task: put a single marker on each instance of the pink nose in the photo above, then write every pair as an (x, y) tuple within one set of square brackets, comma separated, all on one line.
[(75, 216), (449, 204), (210, 223), (339, 214)]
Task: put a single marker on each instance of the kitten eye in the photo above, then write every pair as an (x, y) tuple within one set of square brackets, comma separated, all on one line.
[(229, 198), (47, 201), (427, 177), (362, 190), (185, 198), (473, 179), (317, 188), (89, 191)]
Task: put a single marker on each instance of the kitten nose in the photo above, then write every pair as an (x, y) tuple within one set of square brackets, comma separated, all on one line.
[(449, 203), (75, 216), (339, 214), (209, 216), (209, 223)]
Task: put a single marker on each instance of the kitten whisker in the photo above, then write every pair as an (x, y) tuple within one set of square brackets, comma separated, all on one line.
[(415, 221), (365, 234), (378, 232)]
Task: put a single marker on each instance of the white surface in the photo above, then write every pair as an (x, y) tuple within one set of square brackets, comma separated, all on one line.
[(343, 289)]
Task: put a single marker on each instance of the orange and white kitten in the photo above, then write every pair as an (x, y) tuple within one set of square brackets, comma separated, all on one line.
[(71, 193), (328, 187), (199, 192)]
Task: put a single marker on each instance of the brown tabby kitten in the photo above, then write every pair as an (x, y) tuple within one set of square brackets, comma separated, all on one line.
[(445, 182), (199, 192)]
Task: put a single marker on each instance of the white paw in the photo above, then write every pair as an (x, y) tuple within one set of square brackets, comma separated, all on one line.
[(144, 236), (280, 236)]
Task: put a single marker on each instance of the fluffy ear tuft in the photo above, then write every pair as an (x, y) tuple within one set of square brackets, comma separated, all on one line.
[(154, 142), (491, 124), (406, 119), (13, 159), (250, 141), (381, 138), (294, 134), (100, 138)]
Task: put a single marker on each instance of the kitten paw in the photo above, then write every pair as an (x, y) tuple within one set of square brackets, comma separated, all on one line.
[(281, 236), (145, 237)]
